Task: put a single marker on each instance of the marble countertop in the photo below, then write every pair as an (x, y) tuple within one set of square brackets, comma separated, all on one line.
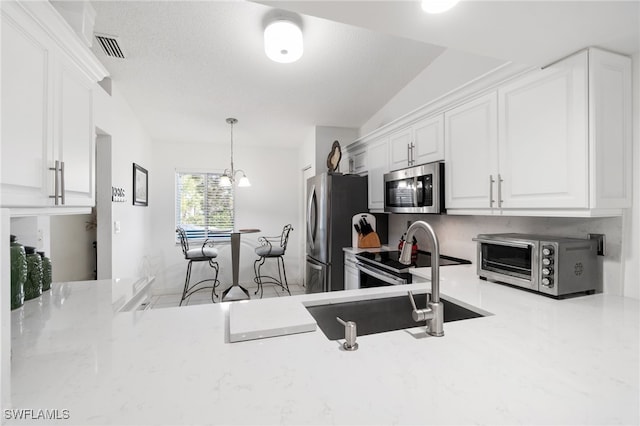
[(535, 360)]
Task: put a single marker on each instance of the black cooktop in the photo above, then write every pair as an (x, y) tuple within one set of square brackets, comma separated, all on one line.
[(389, 260)]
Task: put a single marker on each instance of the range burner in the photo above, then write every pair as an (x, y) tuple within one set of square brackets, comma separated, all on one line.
[(389, 260)]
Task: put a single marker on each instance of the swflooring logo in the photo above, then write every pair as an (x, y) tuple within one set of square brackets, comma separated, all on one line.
[(39, 414)]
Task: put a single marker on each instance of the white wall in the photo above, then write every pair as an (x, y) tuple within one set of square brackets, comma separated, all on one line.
[(130, 143), (455, 235), (72, 253), (632, 216), (447, 72), (270, 203)]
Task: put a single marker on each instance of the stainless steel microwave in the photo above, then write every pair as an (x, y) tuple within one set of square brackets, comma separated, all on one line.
[(418, 189), (555, 266)]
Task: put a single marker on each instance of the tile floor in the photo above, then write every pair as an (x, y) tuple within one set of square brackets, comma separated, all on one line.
[(204, 296)]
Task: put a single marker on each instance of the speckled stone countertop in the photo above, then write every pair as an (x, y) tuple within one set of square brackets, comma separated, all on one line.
[(535, 360)]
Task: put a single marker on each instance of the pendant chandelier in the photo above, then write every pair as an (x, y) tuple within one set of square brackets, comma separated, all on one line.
[(229, 175)]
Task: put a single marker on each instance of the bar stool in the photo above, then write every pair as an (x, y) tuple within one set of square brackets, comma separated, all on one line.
[(206, 253), (272, 248)]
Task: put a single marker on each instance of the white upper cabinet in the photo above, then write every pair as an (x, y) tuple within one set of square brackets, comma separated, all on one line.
[(610, 124), (48, 135), (420, 143), (26, 103), (377, 165), (555, 142), (76, 138), (543, 139), (471, 145)]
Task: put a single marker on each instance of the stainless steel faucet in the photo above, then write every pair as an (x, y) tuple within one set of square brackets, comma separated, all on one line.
[(434, 312)]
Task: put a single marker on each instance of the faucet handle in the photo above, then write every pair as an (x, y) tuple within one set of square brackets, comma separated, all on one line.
[(419, 314)]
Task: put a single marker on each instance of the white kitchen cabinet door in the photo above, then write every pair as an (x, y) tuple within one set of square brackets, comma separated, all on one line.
[(377, 165), (610, 129), (428, 140), (542, 138), (351, 273), (471, 152), (400, 144), (76, 137), (420, 143), (359, 161), (26, 102)]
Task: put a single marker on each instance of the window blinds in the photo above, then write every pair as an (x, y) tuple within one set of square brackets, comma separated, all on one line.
[(203, 207)]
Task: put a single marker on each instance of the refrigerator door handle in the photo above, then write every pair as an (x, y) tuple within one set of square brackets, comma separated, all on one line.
[(311, 227)]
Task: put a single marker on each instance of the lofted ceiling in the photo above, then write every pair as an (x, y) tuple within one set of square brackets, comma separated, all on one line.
[(191, 64)]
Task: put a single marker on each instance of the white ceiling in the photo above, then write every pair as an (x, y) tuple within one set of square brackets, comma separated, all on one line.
[(191, 64)]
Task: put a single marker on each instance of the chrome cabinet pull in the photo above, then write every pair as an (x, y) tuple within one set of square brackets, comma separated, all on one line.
[(491, 182), (62, 186), (56, 192), (408, 154), (500, 180), (413, 160)]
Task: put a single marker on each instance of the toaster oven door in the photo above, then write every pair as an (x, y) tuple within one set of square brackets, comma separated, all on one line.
[(509, 262)]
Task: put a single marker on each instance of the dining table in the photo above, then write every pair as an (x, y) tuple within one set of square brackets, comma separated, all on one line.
[(236, 291)]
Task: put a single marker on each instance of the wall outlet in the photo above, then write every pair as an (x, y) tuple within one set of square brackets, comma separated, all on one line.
[(116, 227), (601, 242)]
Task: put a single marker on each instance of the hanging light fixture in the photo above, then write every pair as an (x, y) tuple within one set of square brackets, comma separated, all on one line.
[(283, 41), (229, 175), (438, 6)]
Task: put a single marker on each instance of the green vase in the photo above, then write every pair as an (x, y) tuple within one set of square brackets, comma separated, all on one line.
[(46, 271), (18, 272), (33, 285)]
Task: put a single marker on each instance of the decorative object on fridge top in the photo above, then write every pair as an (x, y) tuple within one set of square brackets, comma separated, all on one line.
[(33, 285), (46, 271), (18, 272), (335, 155)]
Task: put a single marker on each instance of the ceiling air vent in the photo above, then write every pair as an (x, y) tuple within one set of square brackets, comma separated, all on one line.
[(110, 46)]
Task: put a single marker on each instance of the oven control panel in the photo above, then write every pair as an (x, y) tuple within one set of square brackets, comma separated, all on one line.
[(547, 265)]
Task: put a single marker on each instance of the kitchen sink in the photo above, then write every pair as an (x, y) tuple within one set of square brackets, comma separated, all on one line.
[(380, 315)]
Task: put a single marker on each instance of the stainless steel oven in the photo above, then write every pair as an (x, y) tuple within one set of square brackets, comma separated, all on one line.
[(417, 189), (555, 266)]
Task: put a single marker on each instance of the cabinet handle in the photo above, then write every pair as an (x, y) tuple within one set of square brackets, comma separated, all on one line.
[(62, 188), (56, 192), (499, 191), (491, 182), (413, 160), (408, 154)]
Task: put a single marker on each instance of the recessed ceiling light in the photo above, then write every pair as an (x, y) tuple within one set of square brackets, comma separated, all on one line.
[(438, 6), (283, 41)]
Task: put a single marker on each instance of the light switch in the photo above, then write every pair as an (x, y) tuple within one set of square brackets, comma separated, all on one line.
[(116, 227)]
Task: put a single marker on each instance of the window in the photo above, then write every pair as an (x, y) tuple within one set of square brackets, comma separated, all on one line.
[(203, 207)]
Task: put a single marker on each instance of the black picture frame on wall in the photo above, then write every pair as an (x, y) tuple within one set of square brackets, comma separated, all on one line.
[(140, 186)]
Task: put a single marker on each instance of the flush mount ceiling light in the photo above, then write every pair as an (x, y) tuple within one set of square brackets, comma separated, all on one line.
[(283, 41), (438, 6)]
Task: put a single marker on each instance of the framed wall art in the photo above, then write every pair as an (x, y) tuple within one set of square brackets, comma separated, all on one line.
[(140, 186)]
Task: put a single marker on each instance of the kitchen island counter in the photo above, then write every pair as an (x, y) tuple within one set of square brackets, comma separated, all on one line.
[(535, 360)]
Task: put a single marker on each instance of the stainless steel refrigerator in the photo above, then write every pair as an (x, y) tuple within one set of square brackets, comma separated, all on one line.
[(332, 200)]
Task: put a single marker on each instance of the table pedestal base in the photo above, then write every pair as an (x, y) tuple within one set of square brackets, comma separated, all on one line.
[(235, 292)]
